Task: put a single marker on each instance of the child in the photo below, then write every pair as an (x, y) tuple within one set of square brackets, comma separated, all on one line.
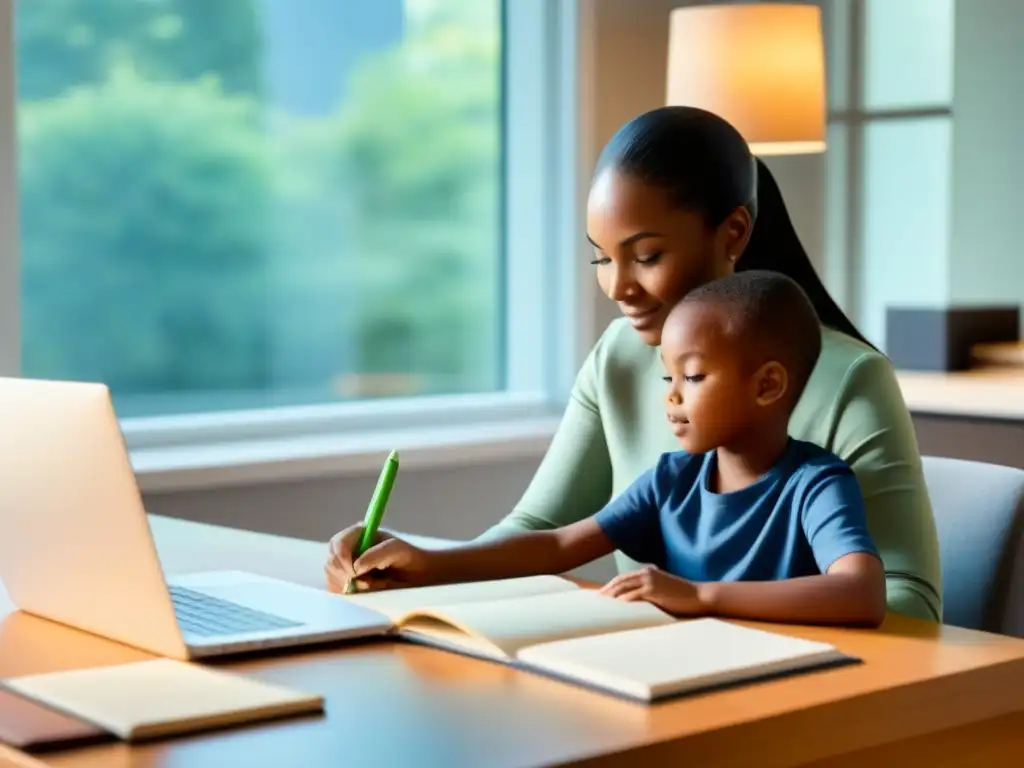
[(743, 522)]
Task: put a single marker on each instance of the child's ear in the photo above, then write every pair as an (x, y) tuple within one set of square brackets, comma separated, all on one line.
[(772, 383)]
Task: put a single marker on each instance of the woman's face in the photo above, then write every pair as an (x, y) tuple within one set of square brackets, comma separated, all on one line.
[(649, 253)]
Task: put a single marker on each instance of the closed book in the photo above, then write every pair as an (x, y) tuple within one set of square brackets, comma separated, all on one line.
[(162, 697)]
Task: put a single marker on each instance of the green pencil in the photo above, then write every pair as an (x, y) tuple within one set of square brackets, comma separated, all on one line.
[(375, 511)]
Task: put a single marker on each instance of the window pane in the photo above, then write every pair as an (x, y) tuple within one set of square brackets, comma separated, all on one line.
[(232, 204), (905, 218), (908, 54)]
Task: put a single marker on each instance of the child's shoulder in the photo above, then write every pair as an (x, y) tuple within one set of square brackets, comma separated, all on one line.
[(813, 463)]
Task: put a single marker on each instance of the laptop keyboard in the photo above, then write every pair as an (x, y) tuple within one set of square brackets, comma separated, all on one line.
[(205, 616)]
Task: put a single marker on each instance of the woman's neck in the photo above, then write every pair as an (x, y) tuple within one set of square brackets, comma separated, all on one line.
[(741, 465)]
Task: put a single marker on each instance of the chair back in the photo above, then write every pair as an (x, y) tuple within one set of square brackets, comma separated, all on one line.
[(979, 513)]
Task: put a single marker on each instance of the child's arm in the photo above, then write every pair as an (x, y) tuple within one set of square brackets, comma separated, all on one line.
[(851, 593), (523, 554), (392, 562), (628, 522)]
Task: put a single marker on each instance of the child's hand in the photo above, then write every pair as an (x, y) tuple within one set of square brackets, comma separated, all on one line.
[(670, 593), (389, 563)]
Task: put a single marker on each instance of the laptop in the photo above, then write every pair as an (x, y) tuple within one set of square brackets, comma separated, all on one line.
[(76, 547)]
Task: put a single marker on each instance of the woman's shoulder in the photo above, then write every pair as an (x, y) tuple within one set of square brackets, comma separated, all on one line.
[(843, 362), (848, 372)]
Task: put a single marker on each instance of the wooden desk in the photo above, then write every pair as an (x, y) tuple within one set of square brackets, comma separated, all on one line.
[(926, 695)]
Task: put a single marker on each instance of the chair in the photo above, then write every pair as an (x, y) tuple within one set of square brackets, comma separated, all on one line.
[(979, 513)]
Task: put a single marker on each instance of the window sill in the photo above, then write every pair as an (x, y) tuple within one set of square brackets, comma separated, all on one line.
[(252, 462)]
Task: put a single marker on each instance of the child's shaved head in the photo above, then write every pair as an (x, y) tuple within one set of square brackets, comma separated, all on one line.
[(768, 315)]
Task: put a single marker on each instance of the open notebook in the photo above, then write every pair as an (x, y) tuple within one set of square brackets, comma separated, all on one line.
[(548, 624), (495, 619)]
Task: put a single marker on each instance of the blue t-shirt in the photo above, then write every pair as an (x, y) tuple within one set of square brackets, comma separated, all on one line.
[(795, 520)]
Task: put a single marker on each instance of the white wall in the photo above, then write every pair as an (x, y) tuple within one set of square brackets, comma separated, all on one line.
[(802, 181), (455, 503), (623, 74), (986, 264)]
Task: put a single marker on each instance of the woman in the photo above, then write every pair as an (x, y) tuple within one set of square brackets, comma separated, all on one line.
[(673, 204)]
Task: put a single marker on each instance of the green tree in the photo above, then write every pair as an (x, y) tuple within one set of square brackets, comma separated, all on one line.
[(418, 148), (144, 209), (65, 44), (178, 237)]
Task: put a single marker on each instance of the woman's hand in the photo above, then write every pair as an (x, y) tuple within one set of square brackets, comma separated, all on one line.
[(388, 564), (670, 593)]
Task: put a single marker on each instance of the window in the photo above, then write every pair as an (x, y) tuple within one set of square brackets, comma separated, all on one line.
[(890, 92), (243, 217)]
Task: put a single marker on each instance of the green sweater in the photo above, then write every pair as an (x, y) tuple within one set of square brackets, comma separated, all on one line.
[(614, 429)]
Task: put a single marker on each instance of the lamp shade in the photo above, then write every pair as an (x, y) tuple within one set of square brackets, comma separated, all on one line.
[(761, 67)]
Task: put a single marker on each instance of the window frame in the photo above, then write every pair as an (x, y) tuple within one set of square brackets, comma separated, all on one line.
[(10, 283), (844, 24), (542, 277)]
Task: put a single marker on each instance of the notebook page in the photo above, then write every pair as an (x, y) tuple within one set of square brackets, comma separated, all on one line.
[(448, 637), (511, 624), (687, 655), (395, 603)]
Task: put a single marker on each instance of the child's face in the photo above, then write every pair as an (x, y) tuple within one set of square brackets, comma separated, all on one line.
[(716, 393)]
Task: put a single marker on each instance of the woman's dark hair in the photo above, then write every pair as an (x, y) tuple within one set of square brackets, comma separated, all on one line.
[(705, 165)]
